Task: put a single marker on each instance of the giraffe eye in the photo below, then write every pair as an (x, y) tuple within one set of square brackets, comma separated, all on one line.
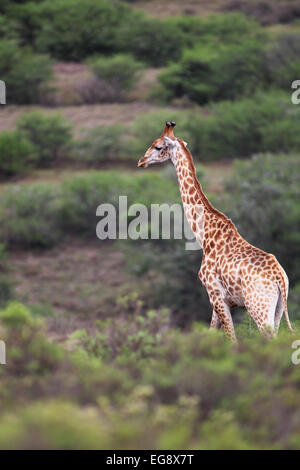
[(158, 148)]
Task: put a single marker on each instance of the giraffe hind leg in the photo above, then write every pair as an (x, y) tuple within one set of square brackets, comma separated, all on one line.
[(215, 322), (263, 313)]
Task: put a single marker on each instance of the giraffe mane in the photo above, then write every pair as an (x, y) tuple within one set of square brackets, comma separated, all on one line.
[(204, 198)]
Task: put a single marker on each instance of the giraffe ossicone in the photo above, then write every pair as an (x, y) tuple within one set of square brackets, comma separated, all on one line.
[(233, 272)]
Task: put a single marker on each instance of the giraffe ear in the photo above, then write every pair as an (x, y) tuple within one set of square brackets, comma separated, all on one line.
[(169, 142)]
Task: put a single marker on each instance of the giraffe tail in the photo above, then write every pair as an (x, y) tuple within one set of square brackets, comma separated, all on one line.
[(283, 291)]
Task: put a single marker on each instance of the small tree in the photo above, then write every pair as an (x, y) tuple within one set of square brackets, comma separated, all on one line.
[(117, 75), (51, 135), (16, 153), (26, 75)]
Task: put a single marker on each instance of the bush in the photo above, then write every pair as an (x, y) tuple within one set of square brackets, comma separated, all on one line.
[(29, 216), (155, 41), (215, 29), (190, 390), (174, 281), (147, 127), (101, 144), (212, 74), (16, 153), (49, 134), (117, 76), (6, 290), (282, 61), (26, 75), (82, 195), (133, 336), (264, 205), (266, 122), (72, 30), (31, 353)]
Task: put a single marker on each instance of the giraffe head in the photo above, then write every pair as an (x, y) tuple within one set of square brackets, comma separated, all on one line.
[(163, 148)]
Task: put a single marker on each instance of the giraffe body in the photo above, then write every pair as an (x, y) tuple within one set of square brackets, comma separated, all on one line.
[(233, 272)]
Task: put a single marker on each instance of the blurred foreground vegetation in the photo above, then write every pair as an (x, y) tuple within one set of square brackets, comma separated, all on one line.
[(136, 382)]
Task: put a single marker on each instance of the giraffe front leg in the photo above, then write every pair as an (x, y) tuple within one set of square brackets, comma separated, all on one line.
[(223, 313), (215, 322), (225, 318)]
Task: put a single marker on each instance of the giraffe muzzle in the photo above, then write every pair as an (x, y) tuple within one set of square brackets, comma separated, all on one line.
[(142, 163)]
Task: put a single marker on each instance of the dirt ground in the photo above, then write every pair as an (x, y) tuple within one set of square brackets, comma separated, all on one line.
[(169, 8), (77, 277)]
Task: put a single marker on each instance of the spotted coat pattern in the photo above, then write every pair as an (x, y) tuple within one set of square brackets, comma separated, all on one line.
[(233, 272)]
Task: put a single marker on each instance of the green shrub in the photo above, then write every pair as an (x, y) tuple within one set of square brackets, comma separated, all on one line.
[(174, 281), (264, 205), (193, 391), (281, 62), (6, 288), (266, 122), (30, 353), (50, 134), (117, 75), (216, 73), (29, 216), (8, 28), (26, 75), (216, 29), (82, 195), (102, 143), (131, 336), (236, 129), (16, 153), (147, 127), (61, 27), (154, 41)]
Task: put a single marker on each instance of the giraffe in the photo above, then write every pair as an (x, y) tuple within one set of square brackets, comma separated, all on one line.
[(233, 272)]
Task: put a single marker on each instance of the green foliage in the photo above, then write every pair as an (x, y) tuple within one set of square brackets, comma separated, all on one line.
[(264, 202), (209, 73), (128, 336), (218, 29), (37, 215), (147, 127), (117, 75), (282, 63), (30, 353), (26, 75), (101, 144), (16, 153), (82, 195), (151, 40), (6, 288), (294, 302), (50, 134), (266, 122), (174, 281), (185, 390), (29, 216), (16, 316), (60, 27)]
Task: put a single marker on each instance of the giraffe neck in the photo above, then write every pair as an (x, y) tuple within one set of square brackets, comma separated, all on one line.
[(199, 212)]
